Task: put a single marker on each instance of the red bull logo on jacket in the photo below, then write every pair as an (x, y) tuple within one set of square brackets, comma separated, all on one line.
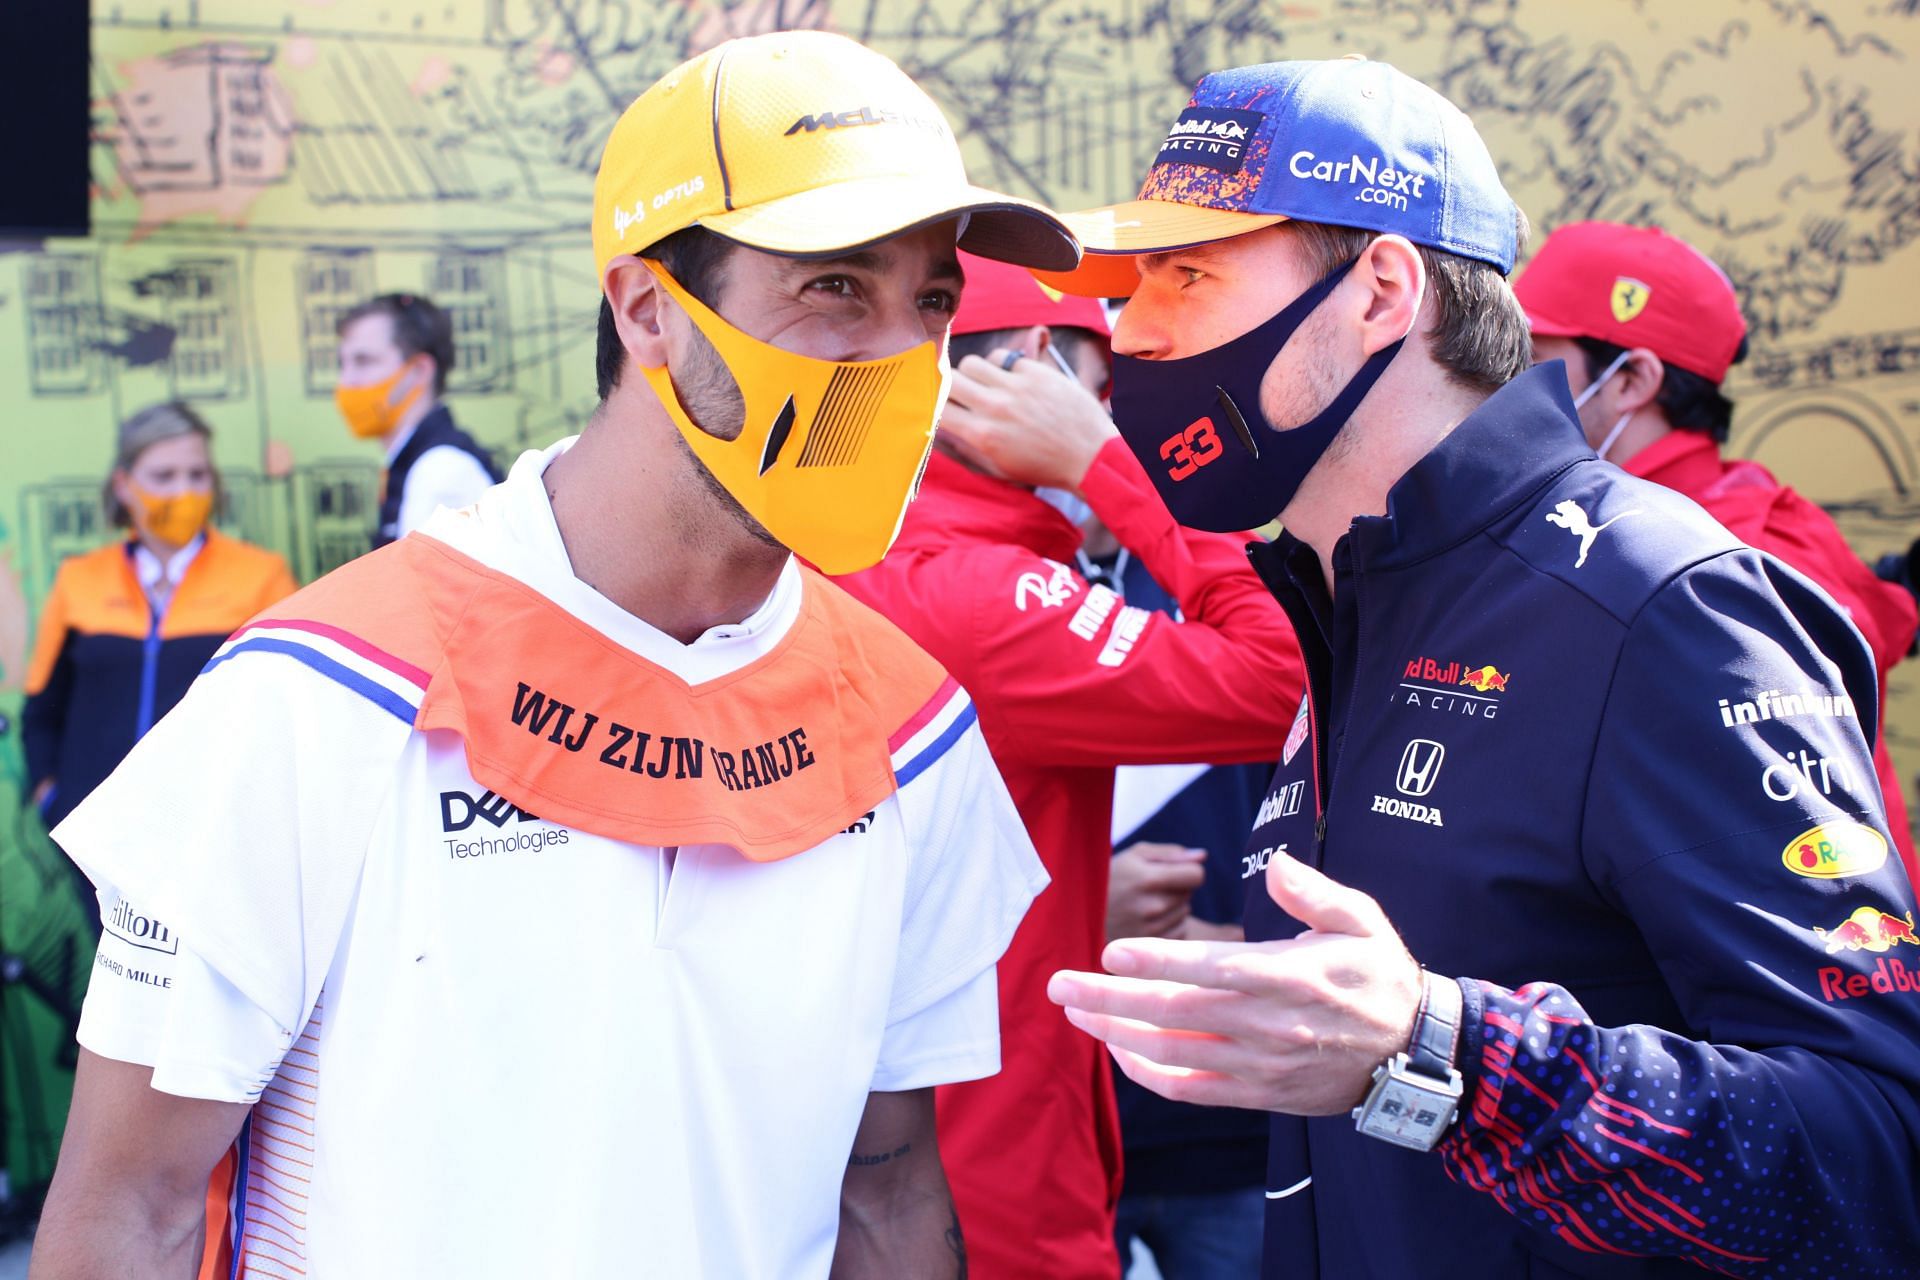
[(1889, 976), (1869, 929), (1434, 671), (1485, 679), (1835, 849), (1434, 684)]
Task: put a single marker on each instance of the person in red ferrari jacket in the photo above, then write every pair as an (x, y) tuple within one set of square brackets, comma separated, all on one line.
[(1648, 327), (1069, 682)]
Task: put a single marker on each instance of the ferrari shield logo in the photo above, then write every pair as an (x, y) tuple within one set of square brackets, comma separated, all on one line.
[(1629, 298)]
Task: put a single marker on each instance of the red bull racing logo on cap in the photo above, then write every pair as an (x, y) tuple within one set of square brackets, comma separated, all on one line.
[(1835, 849), (1216, 137), (1869, 929)]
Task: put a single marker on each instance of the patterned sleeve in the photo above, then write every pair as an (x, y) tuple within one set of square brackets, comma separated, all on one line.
[(1733, 814)]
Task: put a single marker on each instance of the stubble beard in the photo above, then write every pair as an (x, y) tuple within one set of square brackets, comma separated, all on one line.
[(712, 399), (1311, 387)]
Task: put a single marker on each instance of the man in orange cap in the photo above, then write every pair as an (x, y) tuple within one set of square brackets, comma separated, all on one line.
[(1648, 327), (568, 889), (1071, 682)]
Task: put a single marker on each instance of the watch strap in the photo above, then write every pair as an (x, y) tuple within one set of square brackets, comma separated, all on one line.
[(1436, 1029)]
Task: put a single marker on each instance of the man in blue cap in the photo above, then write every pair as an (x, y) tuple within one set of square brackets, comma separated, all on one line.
[(1543, 981)]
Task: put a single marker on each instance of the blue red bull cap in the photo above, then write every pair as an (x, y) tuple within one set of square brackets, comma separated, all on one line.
[(1349, 141)]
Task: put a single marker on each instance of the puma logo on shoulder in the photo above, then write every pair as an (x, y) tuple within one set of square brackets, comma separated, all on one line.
[(1569, 515)]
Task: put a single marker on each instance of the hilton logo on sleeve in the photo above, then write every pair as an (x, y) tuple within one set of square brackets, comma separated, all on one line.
[(128, 925)]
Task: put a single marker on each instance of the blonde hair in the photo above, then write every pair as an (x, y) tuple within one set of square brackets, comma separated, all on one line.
[(154, 425)]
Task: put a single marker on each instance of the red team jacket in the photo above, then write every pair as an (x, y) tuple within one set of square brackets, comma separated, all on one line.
[(1069, 683), (1763, 513)]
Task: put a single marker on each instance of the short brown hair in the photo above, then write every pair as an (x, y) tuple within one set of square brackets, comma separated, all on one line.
[(1480, 334), (419, 328), (153, 425), (694, 256)]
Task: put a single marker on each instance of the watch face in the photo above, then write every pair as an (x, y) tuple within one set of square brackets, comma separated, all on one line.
[(1407, 1114)]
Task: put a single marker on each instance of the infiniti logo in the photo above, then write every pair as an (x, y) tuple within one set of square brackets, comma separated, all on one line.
[(1419, 767)]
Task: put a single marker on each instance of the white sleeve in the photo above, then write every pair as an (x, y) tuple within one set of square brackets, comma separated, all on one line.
[(443, 476), (152, 1001), (953, 1039), (967, 846), (227, 850)]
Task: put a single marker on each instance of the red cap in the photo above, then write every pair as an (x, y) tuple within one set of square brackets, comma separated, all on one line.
[(1634, 287), (1002, 296)]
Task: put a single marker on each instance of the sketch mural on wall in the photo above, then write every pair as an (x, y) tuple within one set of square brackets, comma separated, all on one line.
[(261, 165)]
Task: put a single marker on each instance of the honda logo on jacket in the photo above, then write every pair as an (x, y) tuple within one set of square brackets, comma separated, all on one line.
[(1419, 767)]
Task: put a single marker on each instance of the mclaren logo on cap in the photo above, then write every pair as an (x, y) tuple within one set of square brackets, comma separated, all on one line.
[(862, 116), (1629, 298)]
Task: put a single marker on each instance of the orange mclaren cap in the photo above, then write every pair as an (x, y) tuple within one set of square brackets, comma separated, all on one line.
[(801, 143)]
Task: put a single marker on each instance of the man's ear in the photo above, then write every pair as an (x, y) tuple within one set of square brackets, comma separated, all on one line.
[(1034, 342), (420, 373), (1391, 270), (1638, 380), (639, 310)]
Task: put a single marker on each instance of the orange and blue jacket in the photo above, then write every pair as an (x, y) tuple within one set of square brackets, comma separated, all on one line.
[(106, 667)]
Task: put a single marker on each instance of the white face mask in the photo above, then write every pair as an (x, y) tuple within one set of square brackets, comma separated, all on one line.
[(1588, 394), (1066, 502)]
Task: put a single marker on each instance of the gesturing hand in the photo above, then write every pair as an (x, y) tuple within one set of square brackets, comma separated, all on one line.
[(1295, 1026), (1027, 424)]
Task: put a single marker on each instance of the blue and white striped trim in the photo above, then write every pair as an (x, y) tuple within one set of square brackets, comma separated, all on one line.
[(927, 743), (347, 661)]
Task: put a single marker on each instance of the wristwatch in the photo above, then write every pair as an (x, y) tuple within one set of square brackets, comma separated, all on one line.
[(1416, 1094)]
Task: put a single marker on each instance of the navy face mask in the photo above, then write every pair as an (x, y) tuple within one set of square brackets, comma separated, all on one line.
[(1197, 427)]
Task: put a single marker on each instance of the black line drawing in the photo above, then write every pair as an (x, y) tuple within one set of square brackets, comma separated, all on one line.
[(425, 144)]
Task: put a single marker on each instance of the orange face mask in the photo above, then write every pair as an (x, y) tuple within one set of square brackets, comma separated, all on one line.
[(173, 520), (832, 451), (371, 411)]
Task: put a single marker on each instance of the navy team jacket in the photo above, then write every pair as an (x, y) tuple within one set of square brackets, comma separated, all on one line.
[(434, 430), (1609, 768)]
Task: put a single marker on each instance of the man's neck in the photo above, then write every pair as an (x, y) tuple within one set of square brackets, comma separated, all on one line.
[(642, 530), (411, 419), (1399, 423), (1647, 427)]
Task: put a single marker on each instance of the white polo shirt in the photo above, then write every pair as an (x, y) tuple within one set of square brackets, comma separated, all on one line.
[(480, 1043)]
